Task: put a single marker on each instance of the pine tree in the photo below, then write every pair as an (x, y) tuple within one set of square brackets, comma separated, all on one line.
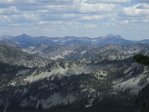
[(144, 107)]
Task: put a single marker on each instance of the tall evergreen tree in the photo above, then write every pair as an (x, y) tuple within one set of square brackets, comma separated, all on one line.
[(144, 106)]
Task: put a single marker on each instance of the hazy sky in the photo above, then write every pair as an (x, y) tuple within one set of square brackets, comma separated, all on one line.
[(91, 18)]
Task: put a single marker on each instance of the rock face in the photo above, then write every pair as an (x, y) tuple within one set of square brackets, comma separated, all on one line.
[(61, 52), (103, 74), (16, 57), (82, 51)]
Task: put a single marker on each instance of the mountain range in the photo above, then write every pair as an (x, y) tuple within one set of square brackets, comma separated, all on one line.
[(42, 74), (26, 40)]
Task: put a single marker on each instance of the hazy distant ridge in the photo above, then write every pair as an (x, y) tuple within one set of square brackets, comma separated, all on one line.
[(26, 40)]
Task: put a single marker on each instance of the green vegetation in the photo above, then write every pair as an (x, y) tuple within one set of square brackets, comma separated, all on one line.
[(143, 107), (102, 85), (109, 100), (119, 102), (141, 59)]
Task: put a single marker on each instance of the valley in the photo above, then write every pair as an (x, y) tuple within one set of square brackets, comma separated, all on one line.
[(76, 75)]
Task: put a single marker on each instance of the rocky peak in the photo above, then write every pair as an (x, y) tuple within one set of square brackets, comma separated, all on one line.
[(24, 36)]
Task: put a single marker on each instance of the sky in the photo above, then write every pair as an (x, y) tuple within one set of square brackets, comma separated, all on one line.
[(80, 18)]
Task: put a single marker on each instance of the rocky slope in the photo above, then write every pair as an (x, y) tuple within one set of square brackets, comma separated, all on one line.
[(16, 57), (61, 52), (64, 82), (82, 51), (11, 44)]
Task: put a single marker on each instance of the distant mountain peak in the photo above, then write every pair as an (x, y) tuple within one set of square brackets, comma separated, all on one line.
[(24, 34), (111, 36)]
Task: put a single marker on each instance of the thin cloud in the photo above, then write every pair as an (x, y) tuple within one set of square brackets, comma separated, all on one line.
[(107, 1), (73, 15), (145, 1), (143, 6)]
